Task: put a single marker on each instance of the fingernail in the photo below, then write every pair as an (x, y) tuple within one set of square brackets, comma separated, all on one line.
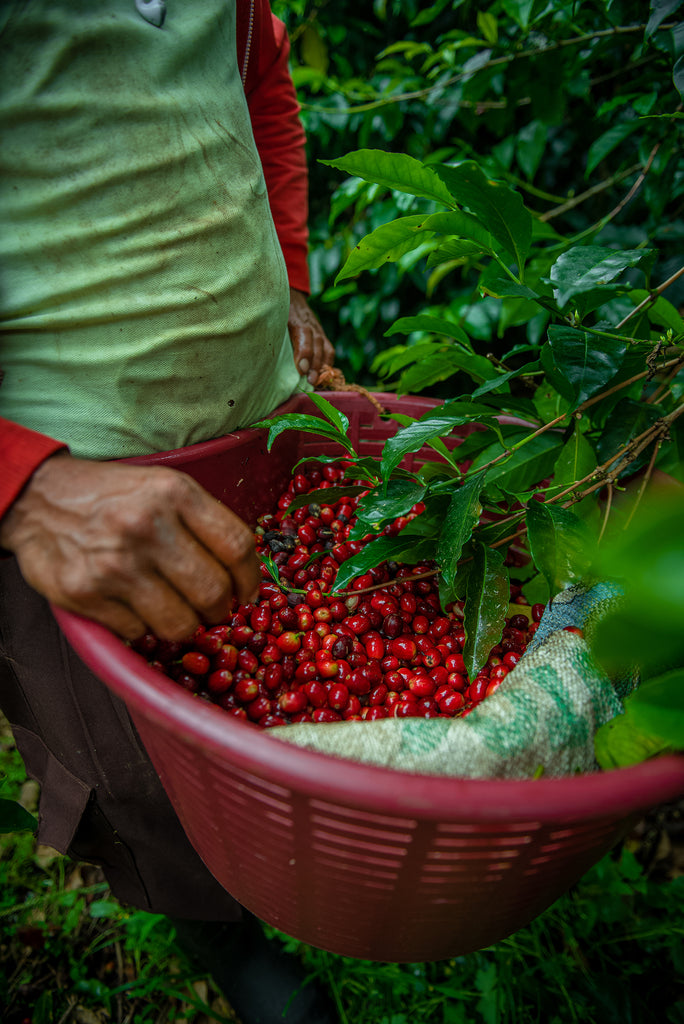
[(304, 365)]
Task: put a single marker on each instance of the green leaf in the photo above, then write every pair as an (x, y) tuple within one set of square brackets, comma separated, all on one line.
[(660, 9), (432, 325), (607, 142), (575, 461), (461, 519), (433, 424), (525, 466), (336, 417), (586, 267), (658, 706), (386, 244), (394, 170), (532, 139), (384, 549), (327, 495), (561, 544), (378, 508), (621, 742), (485, 608), (498, 382), (15, 818), (584, 363), (661, 312), (500, 209), (461, 225), (645, 629), (455, 249), (305, 423)]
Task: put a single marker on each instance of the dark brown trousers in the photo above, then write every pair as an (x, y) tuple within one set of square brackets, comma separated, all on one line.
[(101, 800)]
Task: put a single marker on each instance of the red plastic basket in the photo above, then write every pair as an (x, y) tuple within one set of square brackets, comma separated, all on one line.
[(362, 861)]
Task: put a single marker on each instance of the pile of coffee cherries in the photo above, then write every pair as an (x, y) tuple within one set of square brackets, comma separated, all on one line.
[(304, 653)]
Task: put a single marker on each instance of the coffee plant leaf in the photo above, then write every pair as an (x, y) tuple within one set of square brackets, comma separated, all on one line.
[(485, 608), (661, 313), (455, 250), (585, 267), (443, 363), (325, 495), (395, 171), (461, 226), (433, 424), (659, 11), (402, 548), (620, 742), (584, 364), (432, 325), (627, 420), (15, 818), (658, 707), (527, 465), (500, 209), (379, 508), (336, 417), (461, 518), (645, 629), (576, 459), (501, 380), (302, 422), (609, 141), (561, 544), (387, 244)]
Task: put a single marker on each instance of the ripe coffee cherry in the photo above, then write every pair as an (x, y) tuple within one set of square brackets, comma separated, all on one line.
[(196, 663), (338, 697), (220, 681)]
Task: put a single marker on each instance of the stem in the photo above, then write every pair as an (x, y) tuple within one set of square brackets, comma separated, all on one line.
[(583, 196), (652, 297), (644, 482), (609, 502), (419, 94)]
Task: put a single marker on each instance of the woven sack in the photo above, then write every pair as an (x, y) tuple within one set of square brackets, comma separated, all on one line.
[(541, 719)]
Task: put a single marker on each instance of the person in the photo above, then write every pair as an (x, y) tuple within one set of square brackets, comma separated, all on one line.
[(153, 212)]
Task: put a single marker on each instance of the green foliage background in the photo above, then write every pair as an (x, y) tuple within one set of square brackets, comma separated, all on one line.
[(576, 103)]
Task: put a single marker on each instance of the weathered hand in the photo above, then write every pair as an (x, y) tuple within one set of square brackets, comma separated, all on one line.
[(136, 548), (312, 349)]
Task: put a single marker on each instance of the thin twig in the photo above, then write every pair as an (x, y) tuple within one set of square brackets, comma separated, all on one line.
[(644, 482), (652, 297), (609, 502), (570, 204)]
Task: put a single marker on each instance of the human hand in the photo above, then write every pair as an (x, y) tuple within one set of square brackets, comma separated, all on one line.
[(136, 548), (312, 349)]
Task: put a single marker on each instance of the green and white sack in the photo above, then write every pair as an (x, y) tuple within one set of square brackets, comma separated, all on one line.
[(541, 719)]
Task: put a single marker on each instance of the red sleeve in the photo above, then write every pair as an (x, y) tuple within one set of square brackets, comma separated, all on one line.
[(263, 55), (23, 450)]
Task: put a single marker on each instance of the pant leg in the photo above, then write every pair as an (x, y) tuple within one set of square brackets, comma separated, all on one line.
[(101, 799)]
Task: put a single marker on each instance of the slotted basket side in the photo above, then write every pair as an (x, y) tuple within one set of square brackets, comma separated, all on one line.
[(359, 860)]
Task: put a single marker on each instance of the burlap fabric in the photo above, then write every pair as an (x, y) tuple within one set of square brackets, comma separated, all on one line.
[(542, 719)]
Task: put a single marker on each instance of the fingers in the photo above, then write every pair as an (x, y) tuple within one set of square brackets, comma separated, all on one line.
[(312, 348)]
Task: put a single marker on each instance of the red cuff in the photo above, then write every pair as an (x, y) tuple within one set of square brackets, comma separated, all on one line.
[(23, 450)]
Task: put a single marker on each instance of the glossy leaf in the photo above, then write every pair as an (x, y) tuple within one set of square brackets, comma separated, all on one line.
[(326, 495), (584, 267), (584, 363), (406, 549), (461, 225), (386, 244), (331, 412), (526, 466), (461, 519), (485, 608), (305, 423), (500, 209), (562, 546), (432, 325), (379, 508), (15, 818), (434, 424), (394, 170)]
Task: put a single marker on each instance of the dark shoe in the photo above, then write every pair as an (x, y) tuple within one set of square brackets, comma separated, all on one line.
[(263, 983)]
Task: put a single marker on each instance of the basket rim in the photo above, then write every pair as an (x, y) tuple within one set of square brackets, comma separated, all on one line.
[(162, 704)]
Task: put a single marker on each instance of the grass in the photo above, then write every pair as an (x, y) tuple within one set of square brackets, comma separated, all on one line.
[(611, 951)]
